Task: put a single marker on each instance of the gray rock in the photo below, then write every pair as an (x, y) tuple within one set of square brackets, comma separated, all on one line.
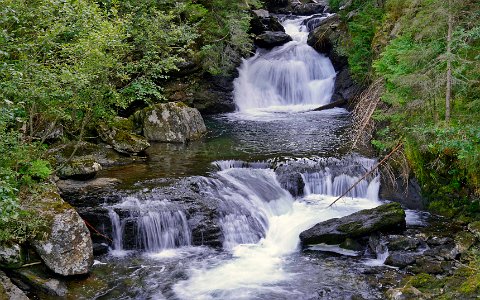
[(293, 183), (81, 167), (400, 259), (85, 193), (171, 122), (261, 13), (11, 255), (308, 9), (9, 291), (443, 252), (270, 39), (385, 218), (400, 242), (119, 134), (42, 281), (66, 246)]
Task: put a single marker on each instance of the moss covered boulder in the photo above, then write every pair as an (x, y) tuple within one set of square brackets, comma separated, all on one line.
[(65, 245), (385, 218), (172, 122), (119, 134), (11, 255)]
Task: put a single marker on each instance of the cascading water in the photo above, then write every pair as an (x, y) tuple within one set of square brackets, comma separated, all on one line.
[(292, 77), (158, 227)]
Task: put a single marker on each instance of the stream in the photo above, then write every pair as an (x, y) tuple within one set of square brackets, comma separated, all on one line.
[(245, 174)]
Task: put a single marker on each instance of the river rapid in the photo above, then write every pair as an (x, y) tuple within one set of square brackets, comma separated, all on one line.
[(245, 166)]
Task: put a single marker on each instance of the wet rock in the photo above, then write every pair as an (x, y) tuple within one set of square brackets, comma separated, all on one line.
[(65, 246), (385, 218), (400, 242), (86, 193), (276, 5), (376, 244), (262, 21), (119, 134), (100, 248), (406, 193), (170, 122), (41, 281), (400, 259), (345, 88), (9, 291), (314, 21), (474, 228), (464, 240), (293, 183), (351, 244), (11, 255), (270, 39), (326, 38)]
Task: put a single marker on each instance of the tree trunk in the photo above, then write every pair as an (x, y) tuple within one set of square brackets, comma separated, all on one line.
[(448, 91)]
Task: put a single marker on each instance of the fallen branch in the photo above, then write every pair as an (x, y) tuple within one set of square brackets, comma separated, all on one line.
[(368, 173), (98, 232), (331, 105), (31, 264)]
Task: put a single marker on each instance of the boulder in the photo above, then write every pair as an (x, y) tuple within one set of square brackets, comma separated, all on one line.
[(402, 243), (262, 21), (385, 218), (65, 245), (42, 281), (86, 193), (270, 39), (293, 183), (119, 134), (80, 167), (172, 122), (326, 38), (401, 259), (9, 291), (314, 21), (11, 255)]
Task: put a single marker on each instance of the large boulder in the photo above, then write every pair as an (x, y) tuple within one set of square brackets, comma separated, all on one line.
[(9, 291), (172, 122), (65, 245), (308, 8), (270, 39), (385, 218), (119, 134), (326, 38)]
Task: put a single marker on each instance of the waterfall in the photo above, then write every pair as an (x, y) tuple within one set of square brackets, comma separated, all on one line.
[(159, 225), (292, 77)]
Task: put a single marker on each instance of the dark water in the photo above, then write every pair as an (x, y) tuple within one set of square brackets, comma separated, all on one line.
[(230, 137)]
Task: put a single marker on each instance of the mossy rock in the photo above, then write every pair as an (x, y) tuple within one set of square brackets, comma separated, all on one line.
[(474, 228), (120, 135), (12, 256)]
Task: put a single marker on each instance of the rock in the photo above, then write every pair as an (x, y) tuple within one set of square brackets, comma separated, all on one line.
[(82, 167), (308, 9), (120, 136), (463, 241), (11, 255), (376, 244), (430, 265), (385, 218), (270, 39), (261, 22), (400, 242), (326, 38), (445, 252), (345, 88), (276, 5), (405, 293), (100, 248), (436, 241), (474, 228), (85, 193), (400, 259), (293, 183), (314, 21), (9, 291), (351, 244), (42, 281), (406, 193), (171, 122), (65, 246)]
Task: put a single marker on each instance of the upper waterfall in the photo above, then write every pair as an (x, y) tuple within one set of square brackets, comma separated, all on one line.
[(292, 77)]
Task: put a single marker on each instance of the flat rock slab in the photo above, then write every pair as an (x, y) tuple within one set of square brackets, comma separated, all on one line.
[(385, 218)]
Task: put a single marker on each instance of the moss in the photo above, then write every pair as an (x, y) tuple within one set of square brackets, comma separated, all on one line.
[(181, 104)]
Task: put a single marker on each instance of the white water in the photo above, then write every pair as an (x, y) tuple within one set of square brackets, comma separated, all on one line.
[(289, 78), (260, 207), (158, 226)]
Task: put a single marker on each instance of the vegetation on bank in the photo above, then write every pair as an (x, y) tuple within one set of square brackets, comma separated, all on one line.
[(67, 65), (427, 54)]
